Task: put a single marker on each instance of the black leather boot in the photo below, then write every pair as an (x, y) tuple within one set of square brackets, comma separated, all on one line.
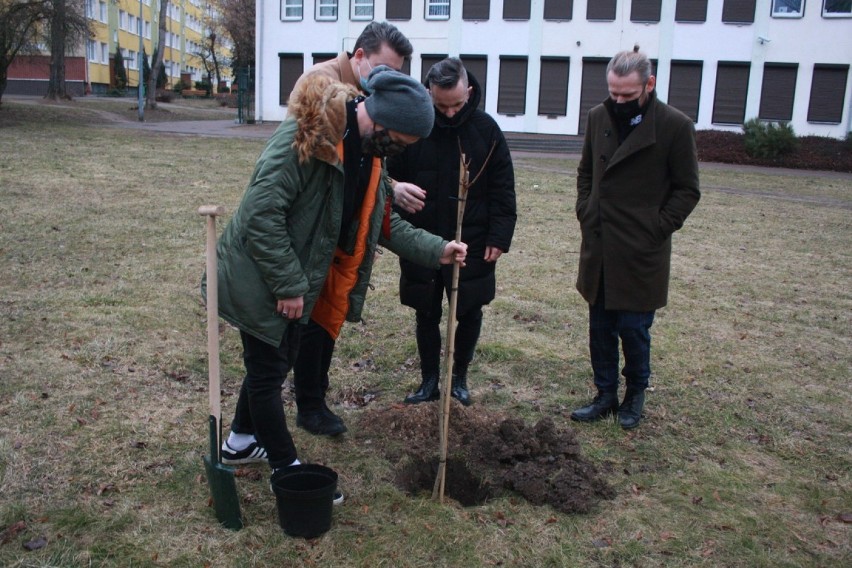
[(459, 390), (604, 404), (428, 391), (321, 422), (630, 411)]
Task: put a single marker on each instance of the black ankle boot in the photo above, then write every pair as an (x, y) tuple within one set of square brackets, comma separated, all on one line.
[(630, 411), (428, 391), (604, 404), (459, 390)]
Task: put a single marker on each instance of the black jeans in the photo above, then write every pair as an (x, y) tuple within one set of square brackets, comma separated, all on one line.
[(310, 373), (259, 410), (429, 336)]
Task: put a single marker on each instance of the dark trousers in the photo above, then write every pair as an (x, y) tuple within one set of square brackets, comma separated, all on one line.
[(428, 334), (606, 327), (310, 373), (259, 410)]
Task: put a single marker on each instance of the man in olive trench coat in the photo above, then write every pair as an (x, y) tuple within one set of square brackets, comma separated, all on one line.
[(637, 182)]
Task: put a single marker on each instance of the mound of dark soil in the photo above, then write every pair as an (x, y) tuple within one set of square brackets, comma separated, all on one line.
[(488, 455), (811, 153)]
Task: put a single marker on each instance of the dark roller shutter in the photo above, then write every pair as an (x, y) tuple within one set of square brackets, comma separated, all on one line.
[(594, 89), (827, 91), (553, 86), (290, 68), (685, 87), (476, 9), (477, 65), (322, 57), (601, 10), (512, 86), (691, 11), (731, 90), (645, 10), (738, 11), (427, 62), (406, 66), (516, 10), (778, 91), (398, 10), (558, 9)]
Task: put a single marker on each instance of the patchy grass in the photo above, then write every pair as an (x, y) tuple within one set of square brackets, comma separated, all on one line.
[(743, 460)]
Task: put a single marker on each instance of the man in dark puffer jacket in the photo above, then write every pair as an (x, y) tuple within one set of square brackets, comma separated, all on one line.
[(432, 165)]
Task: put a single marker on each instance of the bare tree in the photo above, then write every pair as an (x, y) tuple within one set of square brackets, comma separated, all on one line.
[(19, 22), (238, 19), (157, 64), (67, 26)]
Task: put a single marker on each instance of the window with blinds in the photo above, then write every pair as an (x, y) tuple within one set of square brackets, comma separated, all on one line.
[(731, 90), (512, 87), (477, 65), (645, 10), (426, 63), (398, 10), (553, 86), (685, 87), (828, 88), (290, 68), (738, 11), (516, 10), (601, 10), (558, 9), (778, 91), (594, 89), (322, 57), (476, 9), (691, 11)]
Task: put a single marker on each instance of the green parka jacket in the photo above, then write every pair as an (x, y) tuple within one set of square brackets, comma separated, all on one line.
[(281, 240)]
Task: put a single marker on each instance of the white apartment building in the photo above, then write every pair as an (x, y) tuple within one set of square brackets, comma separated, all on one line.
[(542, 63)]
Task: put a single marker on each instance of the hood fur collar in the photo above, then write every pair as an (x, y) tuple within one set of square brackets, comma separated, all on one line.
[(319, 107)]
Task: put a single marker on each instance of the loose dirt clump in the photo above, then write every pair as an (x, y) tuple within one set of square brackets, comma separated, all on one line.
[(488, 454)]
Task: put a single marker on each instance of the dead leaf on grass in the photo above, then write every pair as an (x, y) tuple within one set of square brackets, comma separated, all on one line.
[(603, 542), (845, 517), (697, 500), (8, 533), (666, 535)]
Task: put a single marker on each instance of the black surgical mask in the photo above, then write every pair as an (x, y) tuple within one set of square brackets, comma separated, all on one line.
[(626, 110), (381, 144)]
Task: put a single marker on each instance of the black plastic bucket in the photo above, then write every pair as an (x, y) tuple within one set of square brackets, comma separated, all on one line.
[(304, 495)]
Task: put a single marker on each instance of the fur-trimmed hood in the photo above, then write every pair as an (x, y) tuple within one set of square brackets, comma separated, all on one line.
[(319, 108)]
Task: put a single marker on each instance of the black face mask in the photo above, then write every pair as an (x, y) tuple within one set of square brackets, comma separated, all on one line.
[(626, 110), (381, 144)]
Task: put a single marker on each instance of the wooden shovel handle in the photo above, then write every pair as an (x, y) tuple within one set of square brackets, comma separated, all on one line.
[(211, 212)]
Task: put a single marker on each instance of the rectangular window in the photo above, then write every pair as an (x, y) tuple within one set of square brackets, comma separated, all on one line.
[(645, 10), (560, 10), (122, 19), (291, 9), (326, 10), (398, 10), (828, 89), (512, 86), (477, 66), (603, 10), (731, 90), (476, 9), (104, 53), (779, 88), (427, 61), (91, 51), (290, 68), (836, 8), (437, 9), (738, 11), (322, 57), (516, 10), (788, 8), (103, 12), (685, 87), (553, 86), (691, 11), (362, 9), (593, 89)]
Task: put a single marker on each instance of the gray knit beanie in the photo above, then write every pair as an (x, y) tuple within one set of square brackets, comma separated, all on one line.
[(399, 103)]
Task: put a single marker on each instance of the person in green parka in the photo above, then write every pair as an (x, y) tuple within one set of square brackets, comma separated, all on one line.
[(318, 198)]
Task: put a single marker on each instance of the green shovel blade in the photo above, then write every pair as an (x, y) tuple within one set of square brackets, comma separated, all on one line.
[(223, 487)]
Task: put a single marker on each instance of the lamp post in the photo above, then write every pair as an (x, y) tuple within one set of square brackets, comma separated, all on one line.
[(141, 66)]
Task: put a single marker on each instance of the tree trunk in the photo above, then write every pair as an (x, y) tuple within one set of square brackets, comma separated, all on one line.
[(56, 85), (151, 97)]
